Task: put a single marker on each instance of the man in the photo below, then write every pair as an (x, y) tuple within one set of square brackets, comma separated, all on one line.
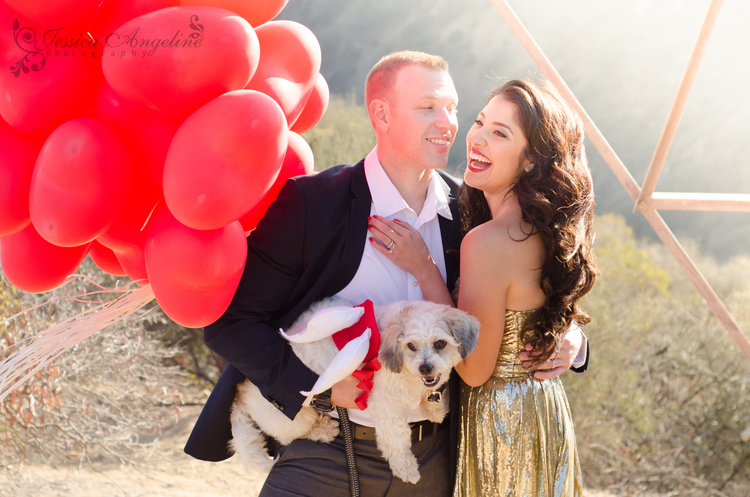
[(313, 243)]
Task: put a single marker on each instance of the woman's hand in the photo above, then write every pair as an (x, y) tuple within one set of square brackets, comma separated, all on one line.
[(402, 244), (558, 363)]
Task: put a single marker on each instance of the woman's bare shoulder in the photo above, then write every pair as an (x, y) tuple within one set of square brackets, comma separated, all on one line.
[(504, 246), (498, 235)]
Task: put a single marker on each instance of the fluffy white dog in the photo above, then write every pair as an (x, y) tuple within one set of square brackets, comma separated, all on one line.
[(420, 343)]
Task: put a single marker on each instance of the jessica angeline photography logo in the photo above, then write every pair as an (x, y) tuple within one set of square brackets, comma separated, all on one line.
[(53, 43)]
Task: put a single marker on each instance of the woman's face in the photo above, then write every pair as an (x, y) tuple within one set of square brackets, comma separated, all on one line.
[(495, 148)]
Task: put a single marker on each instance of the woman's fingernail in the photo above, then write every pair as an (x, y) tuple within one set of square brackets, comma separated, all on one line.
[(370, 238)]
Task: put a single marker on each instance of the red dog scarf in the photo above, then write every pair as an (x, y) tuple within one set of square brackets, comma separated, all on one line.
[(366, 373)]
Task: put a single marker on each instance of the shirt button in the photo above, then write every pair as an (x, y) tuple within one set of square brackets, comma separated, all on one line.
[(415, 284)]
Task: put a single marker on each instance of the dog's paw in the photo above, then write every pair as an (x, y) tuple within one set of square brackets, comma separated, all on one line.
[(406, 468), (324, 430)]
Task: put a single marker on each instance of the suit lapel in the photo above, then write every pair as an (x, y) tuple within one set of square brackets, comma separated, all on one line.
[(450, 232), (354, 246)]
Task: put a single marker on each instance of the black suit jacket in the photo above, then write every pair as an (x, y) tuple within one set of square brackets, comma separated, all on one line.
[(307, 247)]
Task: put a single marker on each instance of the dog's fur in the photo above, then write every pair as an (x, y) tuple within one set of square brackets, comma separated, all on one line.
[(420, 344)]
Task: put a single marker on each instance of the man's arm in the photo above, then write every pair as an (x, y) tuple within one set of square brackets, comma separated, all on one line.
[(243, 335), (573, 354)]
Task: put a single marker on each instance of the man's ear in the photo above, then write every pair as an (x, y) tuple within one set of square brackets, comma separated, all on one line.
[(379, 114)]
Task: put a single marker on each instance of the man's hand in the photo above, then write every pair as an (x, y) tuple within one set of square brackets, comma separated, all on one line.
[(558, 363), (345, 392)]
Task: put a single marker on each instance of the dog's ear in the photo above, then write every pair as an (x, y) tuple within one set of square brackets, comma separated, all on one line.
[(391, 355), (465, 330)]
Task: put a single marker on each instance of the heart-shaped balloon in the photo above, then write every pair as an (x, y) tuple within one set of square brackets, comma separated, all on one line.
[(32, 264), (81, 183), (289, 65), (174, 60), (224, 158), (193, 273), (44, 82)]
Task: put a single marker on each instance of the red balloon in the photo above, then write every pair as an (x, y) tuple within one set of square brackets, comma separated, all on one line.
[(127, 237), (256, 12), (193, 273), (146, 135), (43, 84), (32, 264), (17, 160), (289, 65), (81, 183), (57, 13), (194, 54), (314, 108), (224, 158), (115, 13), (105, 259), (133, 261), (297, 162)]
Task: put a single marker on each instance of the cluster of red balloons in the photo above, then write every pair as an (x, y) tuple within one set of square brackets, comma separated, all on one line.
[(151, 135)]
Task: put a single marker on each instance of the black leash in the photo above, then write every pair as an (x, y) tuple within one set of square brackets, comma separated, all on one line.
[(346, 429)]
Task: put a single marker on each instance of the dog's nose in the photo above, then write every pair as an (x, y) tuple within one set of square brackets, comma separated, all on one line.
[(425, 369)]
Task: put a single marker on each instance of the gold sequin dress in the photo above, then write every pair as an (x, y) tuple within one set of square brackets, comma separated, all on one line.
[(517, 434)]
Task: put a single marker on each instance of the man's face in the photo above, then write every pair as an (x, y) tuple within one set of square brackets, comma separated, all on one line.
[(423, 120)]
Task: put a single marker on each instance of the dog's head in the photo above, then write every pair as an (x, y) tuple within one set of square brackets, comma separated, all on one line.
[(426, 340)]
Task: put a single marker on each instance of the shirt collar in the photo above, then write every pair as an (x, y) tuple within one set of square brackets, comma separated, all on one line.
[(387, 201)]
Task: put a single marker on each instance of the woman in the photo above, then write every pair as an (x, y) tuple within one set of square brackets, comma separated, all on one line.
[(526, 261)]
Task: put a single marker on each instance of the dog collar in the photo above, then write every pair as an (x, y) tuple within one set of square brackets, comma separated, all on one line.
[(437, 395)]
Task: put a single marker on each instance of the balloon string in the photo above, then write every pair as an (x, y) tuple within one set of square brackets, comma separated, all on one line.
[(76, 298), (49, 344), (151, 213)]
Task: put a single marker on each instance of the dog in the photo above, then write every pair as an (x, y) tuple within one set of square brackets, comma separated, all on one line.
[(420, 344)]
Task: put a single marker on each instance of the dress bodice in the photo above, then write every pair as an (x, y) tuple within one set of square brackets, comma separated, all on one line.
[(508, 366)]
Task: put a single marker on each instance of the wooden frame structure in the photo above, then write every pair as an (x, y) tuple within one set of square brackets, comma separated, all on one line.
[(644, 197)]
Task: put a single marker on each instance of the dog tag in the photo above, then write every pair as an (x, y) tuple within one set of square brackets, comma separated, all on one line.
[(437, 395)]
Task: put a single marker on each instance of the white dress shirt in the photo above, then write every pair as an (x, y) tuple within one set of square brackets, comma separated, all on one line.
[(377, 278)]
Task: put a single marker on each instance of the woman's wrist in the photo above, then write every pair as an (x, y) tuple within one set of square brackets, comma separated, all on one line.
[(432, 285), (427, 271)]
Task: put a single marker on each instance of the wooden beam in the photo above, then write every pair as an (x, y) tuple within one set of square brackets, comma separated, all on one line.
[(678, 107), (728, 202), (609, 155), (592, 132), (692, 271)]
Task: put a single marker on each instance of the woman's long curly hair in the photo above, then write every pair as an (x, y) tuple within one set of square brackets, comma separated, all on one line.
[(557, 199)]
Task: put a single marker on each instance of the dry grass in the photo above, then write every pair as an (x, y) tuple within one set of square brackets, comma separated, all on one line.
[(665, 401)]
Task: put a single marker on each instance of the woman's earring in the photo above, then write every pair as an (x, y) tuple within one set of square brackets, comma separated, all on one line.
[(529, 167)]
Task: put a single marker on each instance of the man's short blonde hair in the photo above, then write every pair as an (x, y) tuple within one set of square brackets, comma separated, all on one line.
[(382, 76)]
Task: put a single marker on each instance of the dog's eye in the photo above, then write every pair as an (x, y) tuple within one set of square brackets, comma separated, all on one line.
[(440, 344), (411, 346)]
